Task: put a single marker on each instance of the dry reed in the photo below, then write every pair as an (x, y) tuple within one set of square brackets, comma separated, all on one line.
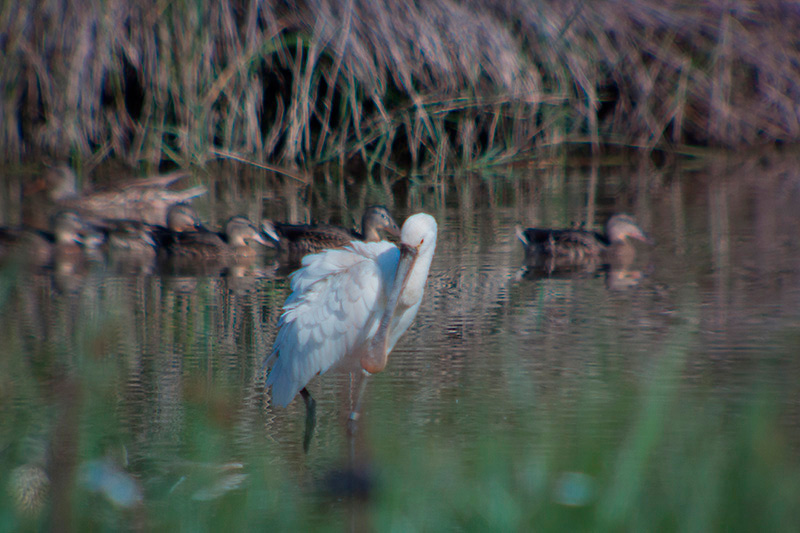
[(431, 84)]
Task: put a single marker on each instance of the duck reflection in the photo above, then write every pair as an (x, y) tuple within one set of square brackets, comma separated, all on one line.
[(243, 279), (577, 253)]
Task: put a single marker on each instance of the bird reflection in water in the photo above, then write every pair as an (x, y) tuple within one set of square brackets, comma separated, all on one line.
[(347, 310)]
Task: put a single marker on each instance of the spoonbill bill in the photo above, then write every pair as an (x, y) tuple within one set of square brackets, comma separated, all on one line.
[(348, 308), (302, 239)]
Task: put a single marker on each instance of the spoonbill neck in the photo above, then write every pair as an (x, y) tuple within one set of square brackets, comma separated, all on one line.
[(378, 350), (405, 295)]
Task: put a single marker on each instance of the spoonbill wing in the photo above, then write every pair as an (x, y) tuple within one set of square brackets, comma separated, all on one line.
[(337, 301)]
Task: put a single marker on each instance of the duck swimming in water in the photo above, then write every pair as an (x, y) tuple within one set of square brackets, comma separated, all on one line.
[(234, 241), (181, 218), (146, 200), (137, 237), (301, 239), (36, 247), (575, 246)]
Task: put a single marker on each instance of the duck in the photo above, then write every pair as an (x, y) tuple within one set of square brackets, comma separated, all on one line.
[(146, 200), (129, 236), (181, 218), (302, 239), (575, 246), (234, 242), (40, 248)]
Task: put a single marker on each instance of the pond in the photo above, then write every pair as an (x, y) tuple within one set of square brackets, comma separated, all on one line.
[(663, 394)]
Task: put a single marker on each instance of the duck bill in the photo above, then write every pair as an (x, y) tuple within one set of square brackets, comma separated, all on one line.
[(147, 238), (520, 233), (270, 231), (377, 350), (259, 238), (644, 237), (392, 229)]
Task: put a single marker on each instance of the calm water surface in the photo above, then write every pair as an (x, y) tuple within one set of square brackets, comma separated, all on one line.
[(126, 394)]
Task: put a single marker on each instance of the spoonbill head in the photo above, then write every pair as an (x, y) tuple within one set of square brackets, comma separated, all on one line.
[(349, 307)]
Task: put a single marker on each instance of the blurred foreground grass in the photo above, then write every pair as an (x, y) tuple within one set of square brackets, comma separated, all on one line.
[(651, 456), (90, 442)]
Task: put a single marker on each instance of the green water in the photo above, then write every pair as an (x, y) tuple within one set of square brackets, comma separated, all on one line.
[(660, 397)]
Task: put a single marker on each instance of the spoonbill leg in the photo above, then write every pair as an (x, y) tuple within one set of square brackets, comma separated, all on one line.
[(311, 418), (355, 413)]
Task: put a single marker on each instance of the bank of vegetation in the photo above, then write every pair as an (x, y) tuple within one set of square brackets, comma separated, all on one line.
[(425, 85)]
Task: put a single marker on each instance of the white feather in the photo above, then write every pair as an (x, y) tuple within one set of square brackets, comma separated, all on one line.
[(338, 299), (328, 313)]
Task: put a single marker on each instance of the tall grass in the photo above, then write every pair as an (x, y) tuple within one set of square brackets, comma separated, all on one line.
[(427, 84)]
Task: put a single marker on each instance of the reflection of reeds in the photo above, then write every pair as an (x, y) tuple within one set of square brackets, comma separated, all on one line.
[(431, 82)]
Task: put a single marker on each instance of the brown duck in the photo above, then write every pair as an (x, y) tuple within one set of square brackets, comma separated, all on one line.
[(146, 200), (181, 218), (36, 247), (575, 246), (301, 239), (135, 236), (234, 241)]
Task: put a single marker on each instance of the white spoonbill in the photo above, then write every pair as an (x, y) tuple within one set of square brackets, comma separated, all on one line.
[(348, 308)]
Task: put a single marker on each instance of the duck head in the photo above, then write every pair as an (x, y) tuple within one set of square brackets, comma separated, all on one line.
[(183, 217), (621, 227), (377, 218), (68, 228), (241, 232)]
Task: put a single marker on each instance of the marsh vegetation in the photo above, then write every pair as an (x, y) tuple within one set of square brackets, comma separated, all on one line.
[(428, 85)]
